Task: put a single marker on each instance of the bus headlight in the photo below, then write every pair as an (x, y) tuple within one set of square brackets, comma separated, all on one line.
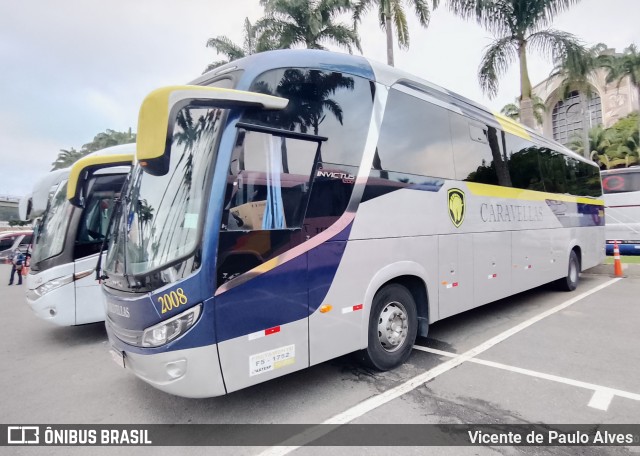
[(166, 331), (48, 286)]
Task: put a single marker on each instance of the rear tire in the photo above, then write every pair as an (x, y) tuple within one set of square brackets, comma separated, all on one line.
[(570, 282), (393, 325)]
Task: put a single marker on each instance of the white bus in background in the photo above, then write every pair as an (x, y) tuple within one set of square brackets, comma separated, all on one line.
[(34, 205), (61, 285), (622, 198)]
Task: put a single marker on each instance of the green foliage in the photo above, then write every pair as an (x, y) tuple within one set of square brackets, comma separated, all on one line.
[(307, 23), (512, 110), (232, 51), (621, 66), (108, 138), (615, 147)]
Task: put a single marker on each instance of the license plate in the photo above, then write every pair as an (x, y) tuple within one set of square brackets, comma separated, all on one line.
[(118, 357)]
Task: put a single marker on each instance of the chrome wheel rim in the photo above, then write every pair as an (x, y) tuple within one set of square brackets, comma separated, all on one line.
[(393, 326)]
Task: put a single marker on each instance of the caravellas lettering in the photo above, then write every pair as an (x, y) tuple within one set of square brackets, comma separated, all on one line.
[(510, 213)]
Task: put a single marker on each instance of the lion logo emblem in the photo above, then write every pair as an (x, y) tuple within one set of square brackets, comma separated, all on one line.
[(456, 206)]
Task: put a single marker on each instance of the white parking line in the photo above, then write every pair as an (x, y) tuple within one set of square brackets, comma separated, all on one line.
[(601, 400), (602, 394), (376, 401)]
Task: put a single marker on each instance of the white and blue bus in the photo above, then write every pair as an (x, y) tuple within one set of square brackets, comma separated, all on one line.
[(295, 206), (61, 284), (622, 198)]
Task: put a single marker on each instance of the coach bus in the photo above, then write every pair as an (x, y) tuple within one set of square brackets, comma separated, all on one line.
[(622, 199), (298, 205), (61, 284)]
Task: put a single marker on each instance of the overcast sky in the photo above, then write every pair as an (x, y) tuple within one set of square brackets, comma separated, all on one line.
[(72, 68)]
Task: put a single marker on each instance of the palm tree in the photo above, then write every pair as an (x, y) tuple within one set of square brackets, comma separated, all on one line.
[(66, 158), (109, 138), (628, 64), (574, 71), (232, 51), (308, 23), (517, 26), (512, 110), (392, 12), (600, 139)]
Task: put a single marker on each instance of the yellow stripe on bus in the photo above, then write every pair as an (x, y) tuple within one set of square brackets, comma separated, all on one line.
[(511, 126), (495, 191)]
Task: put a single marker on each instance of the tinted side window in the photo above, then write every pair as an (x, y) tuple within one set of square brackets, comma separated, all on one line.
[(477, 152), (324, 103), (552, 168), (415, 138), (588, 180), (582, 178), (268, 182), (523, 163)]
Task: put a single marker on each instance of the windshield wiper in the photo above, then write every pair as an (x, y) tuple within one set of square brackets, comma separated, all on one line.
[(116, 207)]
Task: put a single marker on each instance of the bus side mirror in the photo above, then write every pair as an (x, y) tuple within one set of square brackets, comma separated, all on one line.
[(159, 112)]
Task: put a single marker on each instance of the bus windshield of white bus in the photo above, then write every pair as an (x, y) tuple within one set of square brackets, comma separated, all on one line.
[(622, 182), (53, 226)]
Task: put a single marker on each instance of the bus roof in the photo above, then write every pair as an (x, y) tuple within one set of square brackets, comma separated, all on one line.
[(256, 64), (111, 157)]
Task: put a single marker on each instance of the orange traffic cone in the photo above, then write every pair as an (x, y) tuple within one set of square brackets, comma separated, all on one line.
[(617, 265)]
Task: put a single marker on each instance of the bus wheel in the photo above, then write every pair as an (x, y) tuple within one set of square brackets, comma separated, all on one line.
[(392, 328), (570, 282)]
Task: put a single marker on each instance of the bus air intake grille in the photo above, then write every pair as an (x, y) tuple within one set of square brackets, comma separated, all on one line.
[(129, 336)]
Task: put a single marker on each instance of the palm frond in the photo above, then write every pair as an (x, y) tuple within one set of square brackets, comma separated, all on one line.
[(341, 35), (225, 46), (557, 44), (495, 62), (422, 11), (399, 19), (214, 65)]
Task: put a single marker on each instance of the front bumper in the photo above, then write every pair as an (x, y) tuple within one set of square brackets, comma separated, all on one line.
[(194, 372), (58, 306)]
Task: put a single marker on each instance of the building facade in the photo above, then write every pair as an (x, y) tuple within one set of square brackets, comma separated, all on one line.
[(563, 119)]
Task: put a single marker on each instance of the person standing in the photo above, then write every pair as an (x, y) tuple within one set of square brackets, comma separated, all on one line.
[(16, 266)]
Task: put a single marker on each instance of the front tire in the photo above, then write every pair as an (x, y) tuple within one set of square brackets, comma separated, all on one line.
[(570, 282), (393, 325)]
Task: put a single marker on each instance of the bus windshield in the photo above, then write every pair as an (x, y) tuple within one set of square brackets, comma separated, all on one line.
[(53, 227), (621, 182), (159, 220)]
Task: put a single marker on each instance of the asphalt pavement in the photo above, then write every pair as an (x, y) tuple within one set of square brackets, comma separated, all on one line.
[(542, 356)]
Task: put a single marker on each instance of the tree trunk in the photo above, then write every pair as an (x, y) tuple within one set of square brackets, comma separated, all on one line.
[(586, 144), (389, 27), (502, 171), (526, 105)]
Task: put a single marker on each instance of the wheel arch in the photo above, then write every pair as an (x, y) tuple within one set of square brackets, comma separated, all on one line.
[(574, 246), (411, 275)]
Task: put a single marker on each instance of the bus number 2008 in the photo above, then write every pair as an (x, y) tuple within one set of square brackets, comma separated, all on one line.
[(172, 300)]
